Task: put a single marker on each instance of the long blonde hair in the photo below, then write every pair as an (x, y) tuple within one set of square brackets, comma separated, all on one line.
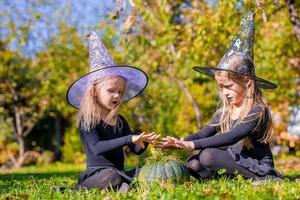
[(253, 97), (89, 114)]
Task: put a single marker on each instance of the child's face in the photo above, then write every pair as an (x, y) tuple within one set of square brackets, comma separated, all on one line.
[(111, 91), (233, 89)]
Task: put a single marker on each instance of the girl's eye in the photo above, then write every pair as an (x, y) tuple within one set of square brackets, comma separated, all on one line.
[(227, 86)]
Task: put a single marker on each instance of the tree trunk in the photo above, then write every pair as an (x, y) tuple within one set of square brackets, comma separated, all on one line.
[(20, 138), (21, 156), (192, 100), (58, 133), (294, 17)]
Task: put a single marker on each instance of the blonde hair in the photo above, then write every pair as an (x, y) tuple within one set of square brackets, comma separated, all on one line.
[(89, 114), (252, 98)]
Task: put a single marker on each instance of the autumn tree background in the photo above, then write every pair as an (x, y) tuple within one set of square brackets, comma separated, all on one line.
[(162, 37)]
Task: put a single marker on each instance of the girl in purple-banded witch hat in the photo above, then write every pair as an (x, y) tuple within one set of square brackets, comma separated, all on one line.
[(237, 138), (103, 132)]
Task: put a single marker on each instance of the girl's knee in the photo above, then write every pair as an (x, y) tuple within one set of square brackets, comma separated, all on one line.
[(114, 179), (193, 165), (207, 157)]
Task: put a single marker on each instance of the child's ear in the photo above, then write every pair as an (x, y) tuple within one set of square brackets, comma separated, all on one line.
[(248, 81), (94, 90)]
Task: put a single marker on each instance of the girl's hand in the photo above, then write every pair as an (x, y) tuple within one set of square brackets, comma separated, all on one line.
[(186, 145), (168, 143), (141, 138), (171, 142)]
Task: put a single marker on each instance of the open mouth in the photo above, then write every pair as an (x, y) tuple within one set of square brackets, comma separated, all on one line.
[(115, 103)]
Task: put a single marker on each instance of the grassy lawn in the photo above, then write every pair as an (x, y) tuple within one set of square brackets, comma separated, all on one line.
[(34, 183)]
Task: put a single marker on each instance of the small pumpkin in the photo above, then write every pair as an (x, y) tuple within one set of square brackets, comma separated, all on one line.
[(171, 170)]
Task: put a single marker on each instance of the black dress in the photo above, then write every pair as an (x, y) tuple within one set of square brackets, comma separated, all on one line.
[(104, 149), (258, 159)]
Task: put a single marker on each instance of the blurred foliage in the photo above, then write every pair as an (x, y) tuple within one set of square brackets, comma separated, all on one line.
[(72, 149), (165, 39), (65, 60), (173, 36), (22, 100)]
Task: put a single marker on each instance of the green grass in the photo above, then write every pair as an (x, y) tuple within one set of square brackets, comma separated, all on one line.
[(34, 183)]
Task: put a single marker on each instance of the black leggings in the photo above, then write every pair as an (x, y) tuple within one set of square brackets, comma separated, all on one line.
[(103, 179), (210, 160)]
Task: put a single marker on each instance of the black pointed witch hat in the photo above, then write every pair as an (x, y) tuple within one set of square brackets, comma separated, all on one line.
[(238, 59)]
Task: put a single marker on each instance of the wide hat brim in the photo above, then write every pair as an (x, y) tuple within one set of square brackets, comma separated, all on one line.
[(136, 82), (210, 71)]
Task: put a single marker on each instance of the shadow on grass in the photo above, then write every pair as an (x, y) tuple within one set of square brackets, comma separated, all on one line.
[(292, 177), (24, 176)]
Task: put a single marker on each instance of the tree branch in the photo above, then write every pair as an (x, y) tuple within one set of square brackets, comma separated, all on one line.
[(192, 100), (185, 89), (294, 17)]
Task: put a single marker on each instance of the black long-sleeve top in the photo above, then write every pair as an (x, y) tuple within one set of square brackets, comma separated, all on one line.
[(208, 137), (104, 147)]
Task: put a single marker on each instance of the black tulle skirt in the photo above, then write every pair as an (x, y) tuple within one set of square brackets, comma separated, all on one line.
[(263, 167)]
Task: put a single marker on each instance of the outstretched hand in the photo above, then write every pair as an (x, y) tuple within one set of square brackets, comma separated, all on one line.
[(168, 143), (143, 137), (172, 142)]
